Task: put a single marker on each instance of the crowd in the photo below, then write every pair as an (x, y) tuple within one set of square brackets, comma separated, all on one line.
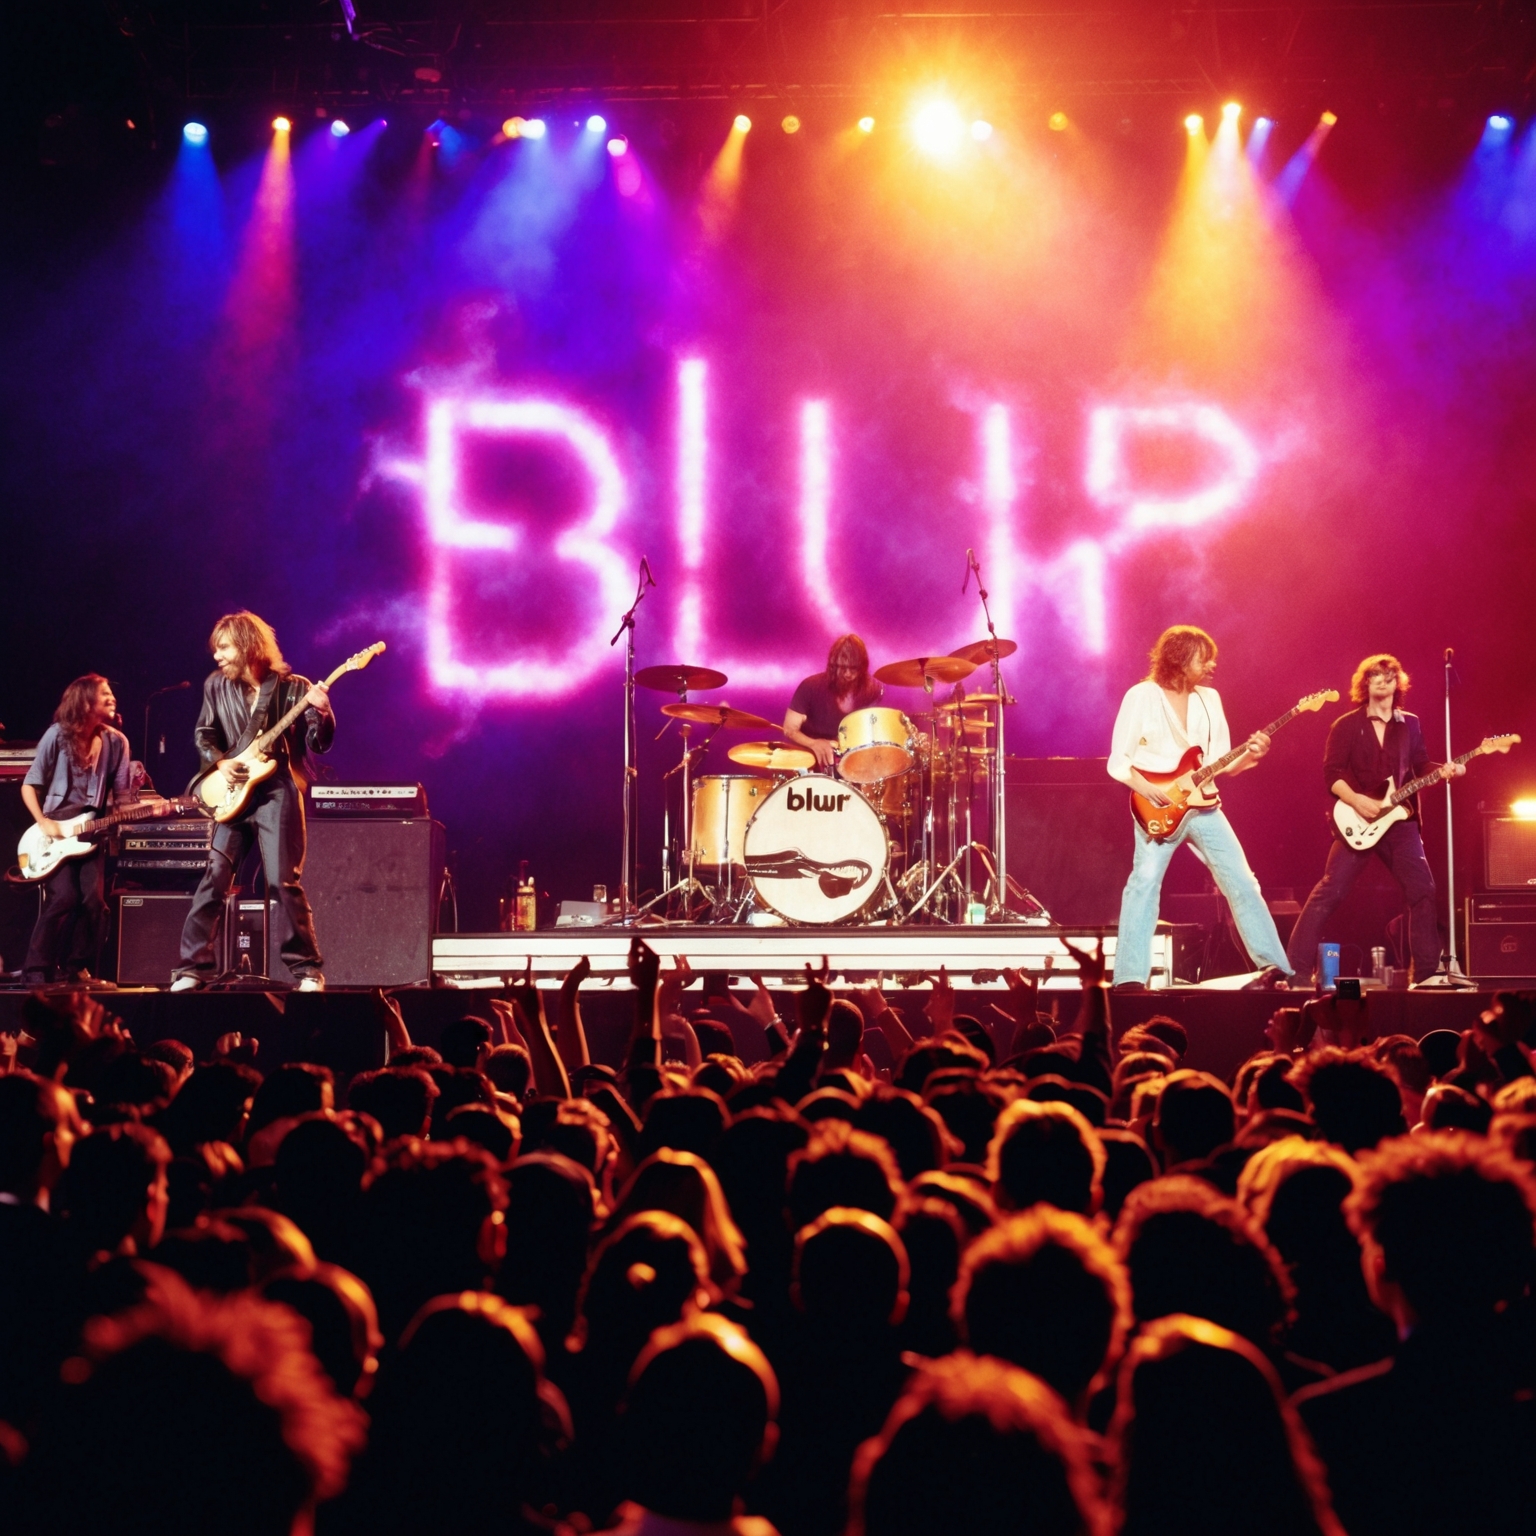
[(895, 1277)]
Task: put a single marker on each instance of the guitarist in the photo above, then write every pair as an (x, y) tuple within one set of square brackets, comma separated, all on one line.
[(250, 687), (82, 763), (1160, 718), (1371, 744)]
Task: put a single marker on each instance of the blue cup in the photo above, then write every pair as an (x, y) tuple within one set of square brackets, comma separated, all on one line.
[(1327, 967)]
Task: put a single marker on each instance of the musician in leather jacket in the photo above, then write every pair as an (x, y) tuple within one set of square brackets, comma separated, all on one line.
[(251, 688)]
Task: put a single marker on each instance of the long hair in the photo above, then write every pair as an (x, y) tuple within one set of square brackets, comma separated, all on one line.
[(255, 639), (1175, 649), (1360, 683), (856, 653), (75, 707)]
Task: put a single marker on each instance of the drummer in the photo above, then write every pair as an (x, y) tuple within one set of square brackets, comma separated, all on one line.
[(823, 699)]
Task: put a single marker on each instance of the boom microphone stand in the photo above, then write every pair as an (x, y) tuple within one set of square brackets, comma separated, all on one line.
[(997, 904), (631, 773), (1452, 976)]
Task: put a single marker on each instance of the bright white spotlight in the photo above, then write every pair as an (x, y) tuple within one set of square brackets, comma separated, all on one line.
[(1524, 810), (981, 130), (618, 145), (339, 129), (938, 128), (534, 128), (195, 133), (1231, 112), (596, 124), (1500, 123), (743, 123), (281, 125), (866, 125), (1194, 123)]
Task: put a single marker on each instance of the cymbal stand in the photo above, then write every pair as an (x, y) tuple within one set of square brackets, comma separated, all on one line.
[(997, 889), (626, 628), (685, 884)]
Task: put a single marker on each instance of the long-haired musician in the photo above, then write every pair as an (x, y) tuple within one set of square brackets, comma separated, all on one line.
[(250, 688), (1161, 717), (82, 764), (823, 699)]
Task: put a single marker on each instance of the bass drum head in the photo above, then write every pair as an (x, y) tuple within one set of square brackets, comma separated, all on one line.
[(816, 851)]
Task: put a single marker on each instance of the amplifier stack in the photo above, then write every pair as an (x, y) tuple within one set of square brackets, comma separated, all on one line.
[(175, 845)]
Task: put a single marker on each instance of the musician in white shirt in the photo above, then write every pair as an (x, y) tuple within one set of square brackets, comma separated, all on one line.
[(1160, 718)]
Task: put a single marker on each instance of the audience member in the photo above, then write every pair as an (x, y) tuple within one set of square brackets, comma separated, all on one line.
[(1046, 1152)]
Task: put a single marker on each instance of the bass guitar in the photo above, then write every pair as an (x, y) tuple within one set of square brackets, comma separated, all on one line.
[(224, 789), (1362, 835), (38, 855), (1185, 789)]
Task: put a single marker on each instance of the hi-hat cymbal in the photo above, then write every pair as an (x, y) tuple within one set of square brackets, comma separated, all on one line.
[(772, 755), (982, 650), (717, 714), (911, 674), (975, 701), (678, 678)]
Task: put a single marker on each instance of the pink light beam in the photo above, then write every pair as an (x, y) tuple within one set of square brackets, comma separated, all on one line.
[(815, 512)]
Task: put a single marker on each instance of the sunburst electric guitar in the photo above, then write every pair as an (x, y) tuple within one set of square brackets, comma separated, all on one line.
[(1363, 835), (1187, 788), (225, 788), (38, 855)]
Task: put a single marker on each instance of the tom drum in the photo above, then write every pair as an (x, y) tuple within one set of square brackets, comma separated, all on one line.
[(875, 744)]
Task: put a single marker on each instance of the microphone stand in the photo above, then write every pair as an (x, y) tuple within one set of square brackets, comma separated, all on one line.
[(169, 688), (631, 772), (997, 907), (1452, 978)]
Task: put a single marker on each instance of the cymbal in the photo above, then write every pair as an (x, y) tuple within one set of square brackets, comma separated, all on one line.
[(970, 727), (772, 755), (982, 650), (910, 674), (718, 714), (973, 702), (677, 678)]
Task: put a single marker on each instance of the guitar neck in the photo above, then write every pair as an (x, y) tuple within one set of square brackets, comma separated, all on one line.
[(1424, 780), (1210, 770), (263, 743), (131, 813)]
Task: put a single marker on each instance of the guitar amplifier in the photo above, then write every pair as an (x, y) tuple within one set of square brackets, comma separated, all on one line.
[(178, 844), (354, 800), (1501, 937), (1509, 853), (15, 758)]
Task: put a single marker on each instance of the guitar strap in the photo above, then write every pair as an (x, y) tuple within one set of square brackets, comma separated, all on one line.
[(257, 722)]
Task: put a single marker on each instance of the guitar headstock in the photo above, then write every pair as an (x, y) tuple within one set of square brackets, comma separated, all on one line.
[(362, 658), (1498, 743), (1315, 701)]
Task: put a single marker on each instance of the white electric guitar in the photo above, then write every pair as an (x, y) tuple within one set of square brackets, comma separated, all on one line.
[(38, 855), (1363, 835)]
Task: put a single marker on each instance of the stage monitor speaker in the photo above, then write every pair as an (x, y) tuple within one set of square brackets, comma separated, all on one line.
[(373, 885), (149, 927), (1069, 837), (1509, 853), (1501, 940)]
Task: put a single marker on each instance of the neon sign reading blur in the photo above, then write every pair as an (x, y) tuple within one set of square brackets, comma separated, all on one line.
[(1073, 580)]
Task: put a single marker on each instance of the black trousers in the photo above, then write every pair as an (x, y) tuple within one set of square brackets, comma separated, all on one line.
[(1401, 849), (74, 898), (275, 821)]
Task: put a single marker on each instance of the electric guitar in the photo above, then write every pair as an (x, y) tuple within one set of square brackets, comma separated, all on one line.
[(38, 855), (1363, 835), (1185, 788), (224, 789)]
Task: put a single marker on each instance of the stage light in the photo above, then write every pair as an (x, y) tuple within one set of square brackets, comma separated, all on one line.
[(195, 133), (866, 125), (743, 123), (618, 145), (1500, 123), (339, 129), (534, 128), (791, 124), (513, 127), (938, 128), (1328, 119), (1194, 123), (596, 124), (1523, 810), (1231, 112), (281, 125), (981, 130), (1057, 122)]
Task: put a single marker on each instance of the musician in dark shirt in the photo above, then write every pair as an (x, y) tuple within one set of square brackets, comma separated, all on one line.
[(822, 700), (1371, 744), (82, 764), (251, 688)]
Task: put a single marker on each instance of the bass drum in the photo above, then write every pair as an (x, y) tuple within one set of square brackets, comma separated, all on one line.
[(817, 851), (723, 804)]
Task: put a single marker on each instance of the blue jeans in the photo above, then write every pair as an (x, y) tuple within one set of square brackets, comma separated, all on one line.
[(1212, 834)]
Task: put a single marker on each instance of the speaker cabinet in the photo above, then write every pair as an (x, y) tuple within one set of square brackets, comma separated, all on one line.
[(1069, 837), (1501, 938), (373, 885), (1509, 853), (19, 904), (149, 927)]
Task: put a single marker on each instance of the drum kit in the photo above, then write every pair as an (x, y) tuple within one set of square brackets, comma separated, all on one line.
[(885, 835)]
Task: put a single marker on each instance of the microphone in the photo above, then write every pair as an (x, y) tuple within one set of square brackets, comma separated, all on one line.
[(645, 565), (970, 565), (1449, 653)]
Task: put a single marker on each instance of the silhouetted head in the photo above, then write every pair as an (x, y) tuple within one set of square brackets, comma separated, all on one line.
[(842, 1166), (1194, 1117), (1046, 1152), (851, 1271), (1353, 1099)]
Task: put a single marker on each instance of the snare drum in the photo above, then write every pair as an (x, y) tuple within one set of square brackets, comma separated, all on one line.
[(723, 804), (817, 850), (875, 744)]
